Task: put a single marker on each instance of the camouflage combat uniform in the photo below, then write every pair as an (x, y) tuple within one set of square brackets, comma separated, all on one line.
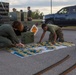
[(7, 36), (55, 29)]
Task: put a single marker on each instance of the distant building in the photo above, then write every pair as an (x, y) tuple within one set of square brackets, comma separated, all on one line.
[(4, 10)]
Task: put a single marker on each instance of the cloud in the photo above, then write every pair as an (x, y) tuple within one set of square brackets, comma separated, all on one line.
[(42, 5), (60, 0), (33, 3), (64, 2)]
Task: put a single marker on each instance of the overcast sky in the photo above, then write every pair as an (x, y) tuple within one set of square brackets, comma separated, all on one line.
[(41, 5)]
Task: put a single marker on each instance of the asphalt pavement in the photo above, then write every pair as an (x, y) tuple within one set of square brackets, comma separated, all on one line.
[(12, 65)]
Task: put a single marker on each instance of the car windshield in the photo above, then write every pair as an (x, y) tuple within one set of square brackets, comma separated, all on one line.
[(63, 11)]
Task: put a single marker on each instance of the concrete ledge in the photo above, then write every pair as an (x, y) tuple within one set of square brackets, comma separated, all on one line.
[(69, 28)]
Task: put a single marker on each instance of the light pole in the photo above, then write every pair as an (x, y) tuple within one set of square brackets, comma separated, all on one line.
[(51, 6)]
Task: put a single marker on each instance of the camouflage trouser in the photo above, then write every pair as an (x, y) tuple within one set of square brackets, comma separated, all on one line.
[(59, 34), (5, 42)]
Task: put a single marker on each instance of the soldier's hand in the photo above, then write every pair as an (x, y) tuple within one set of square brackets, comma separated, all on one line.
[(20, 45), (53, 42)]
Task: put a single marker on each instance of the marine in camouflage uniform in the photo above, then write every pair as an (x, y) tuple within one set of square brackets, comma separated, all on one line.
[(55, 33), (7, 36), (55, 29)]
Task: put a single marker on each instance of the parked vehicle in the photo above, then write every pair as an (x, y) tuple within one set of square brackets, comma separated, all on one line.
[(64, 17)]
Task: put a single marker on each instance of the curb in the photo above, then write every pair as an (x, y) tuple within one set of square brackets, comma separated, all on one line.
[(70, 29)]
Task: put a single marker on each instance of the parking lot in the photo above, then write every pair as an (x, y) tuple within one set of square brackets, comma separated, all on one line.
[(13, 65)]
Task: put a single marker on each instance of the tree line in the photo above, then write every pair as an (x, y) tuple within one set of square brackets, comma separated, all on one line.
[(35, 14)]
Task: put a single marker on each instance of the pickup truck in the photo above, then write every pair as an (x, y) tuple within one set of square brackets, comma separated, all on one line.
[(64, 17)]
